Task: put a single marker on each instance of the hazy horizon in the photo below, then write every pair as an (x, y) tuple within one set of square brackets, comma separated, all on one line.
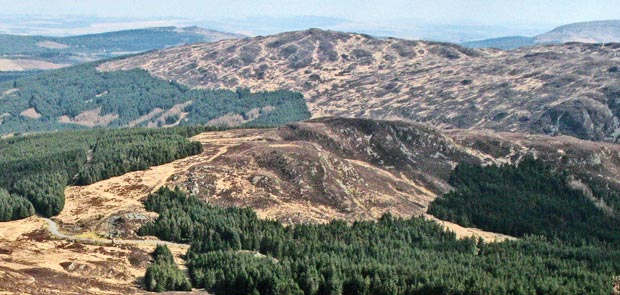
[(437, 11), (445, 20)]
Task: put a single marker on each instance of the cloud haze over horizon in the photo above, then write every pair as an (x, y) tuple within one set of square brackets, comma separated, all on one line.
[(440, 11), (456, 19)]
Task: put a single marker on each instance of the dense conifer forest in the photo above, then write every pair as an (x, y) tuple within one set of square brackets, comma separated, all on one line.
[(234, 252), (37, 168), (128, 97), (14, 207), (164, 274), (528, 198)]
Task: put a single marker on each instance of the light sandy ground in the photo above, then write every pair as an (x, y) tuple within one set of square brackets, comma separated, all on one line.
[(108, 265), (31, 113), (90, 118), (468, 232), (28, 64), (32, 262), (176, 109), (146, 117), (2, 116), (52, 45), (8, 92), (125, 193)]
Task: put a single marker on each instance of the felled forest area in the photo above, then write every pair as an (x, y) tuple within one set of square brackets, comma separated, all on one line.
[(234, 252), (37, 168)]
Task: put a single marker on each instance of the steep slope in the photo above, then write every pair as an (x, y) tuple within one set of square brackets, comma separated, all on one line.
[(556, 89)]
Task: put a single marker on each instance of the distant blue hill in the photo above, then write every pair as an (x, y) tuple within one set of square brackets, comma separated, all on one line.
[(31, 53), (505, 43), (585, 32)]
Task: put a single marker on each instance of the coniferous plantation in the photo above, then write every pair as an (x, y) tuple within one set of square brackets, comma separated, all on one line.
[(127, 96), (37, 168), (234, 252), (528, 198)]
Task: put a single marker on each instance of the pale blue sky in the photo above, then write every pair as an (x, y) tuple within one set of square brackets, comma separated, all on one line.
[(436, 11)]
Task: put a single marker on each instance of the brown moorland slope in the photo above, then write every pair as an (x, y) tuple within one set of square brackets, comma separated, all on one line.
[(569, 89), (359, 169)]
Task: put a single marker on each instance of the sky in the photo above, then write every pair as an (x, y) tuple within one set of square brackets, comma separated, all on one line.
[(439, 11), (460, 19)]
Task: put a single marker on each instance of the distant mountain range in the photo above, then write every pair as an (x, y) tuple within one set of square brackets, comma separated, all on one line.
[(27, 53), (586, 32)]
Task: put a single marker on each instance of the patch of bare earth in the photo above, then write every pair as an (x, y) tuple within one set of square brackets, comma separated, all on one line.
[(8, 92), (28, 64), (176, 110), (232, 120), (52, 45), (90, 118), (2, 116), (30, 113), (34, 262), (152, 114)]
